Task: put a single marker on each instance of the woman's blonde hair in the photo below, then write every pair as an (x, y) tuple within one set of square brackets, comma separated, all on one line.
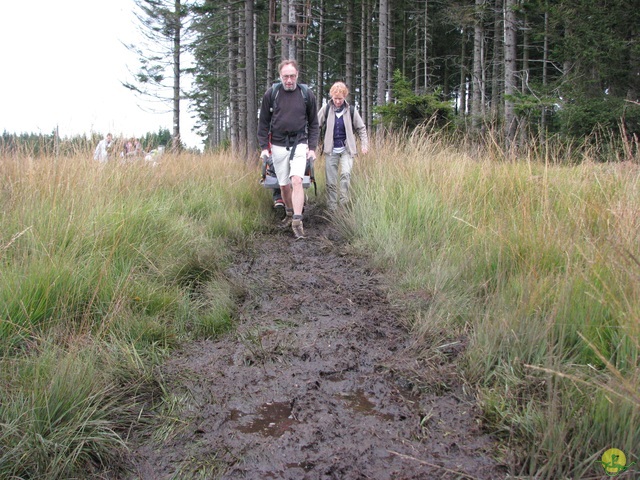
[(339, 88)]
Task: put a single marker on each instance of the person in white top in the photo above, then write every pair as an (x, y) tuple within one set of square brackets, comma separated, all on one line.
[(102, 150)]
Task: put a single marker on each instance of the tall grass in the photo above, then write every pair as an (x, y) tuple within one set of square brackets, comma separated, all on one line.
[(533, 263), (537, 265), (103, 269)]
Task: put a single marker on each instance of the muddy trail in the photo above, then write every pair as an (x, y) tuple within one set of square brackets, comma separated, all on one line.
[(318, 381)]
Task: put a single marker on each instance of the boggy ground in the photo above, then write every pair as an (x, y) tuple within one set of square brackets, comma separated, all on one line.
[(319, 381)]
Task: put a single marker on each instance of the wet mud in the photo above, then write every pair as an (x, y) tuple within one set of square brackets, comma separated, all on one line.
[(320, 380)]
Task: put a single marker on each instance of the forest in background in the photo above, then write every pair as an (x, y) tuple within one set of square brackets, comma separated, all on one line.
[(505, 71), (521, 68)]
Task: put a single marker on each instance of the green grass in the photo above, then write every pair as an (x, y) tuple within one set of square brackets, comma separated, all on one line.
[(57, 417), (105, 269), (537, 264)]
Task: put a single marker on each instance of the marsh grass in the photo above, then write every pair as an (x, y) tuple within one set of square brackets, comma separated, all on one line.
[(533, 263), (536, 263), (57, 416), (105, 268)]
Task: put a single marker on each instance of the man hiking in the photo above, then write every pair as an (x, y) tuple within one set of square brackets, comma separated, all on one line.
[(289, 125)]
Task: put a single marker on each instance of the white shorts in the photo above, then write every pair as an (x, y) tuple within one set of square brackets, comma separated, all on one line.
[(285, 169)]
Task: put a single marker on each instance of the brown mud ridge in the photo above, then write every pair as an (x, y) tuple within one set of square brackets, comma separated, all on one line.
[(318, 381)]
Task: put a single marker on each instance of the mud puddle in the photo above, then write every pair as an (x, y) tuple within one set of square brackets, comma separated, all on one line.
[(318, 381)]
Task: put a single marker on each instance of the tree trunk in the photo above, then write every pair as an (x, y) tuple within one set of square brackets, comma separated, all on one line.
[(390, 56), (425, 52), (177, 32), (510, 50), (233, 81), (241, 74), (370, 84), (462, 94), (383, 34), (496, 67), (633, 88), (545, 47), (545, 60), (350, 48), (477, 89), (292, 52), (217, 116), (525, 56), (252, 109), (417, 53), (363, 60), (271, 46), (319, 73), (284, 42), (524, 121)]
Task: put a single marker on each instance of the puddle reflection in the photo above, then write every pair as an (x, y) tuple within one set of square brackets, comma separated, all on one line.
[(359, 402), (271, 419)]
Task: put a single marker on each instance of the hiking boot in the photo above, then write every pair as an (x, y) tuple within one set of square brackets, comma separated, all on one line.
[(279, 203), (298, 230), (286, 221)]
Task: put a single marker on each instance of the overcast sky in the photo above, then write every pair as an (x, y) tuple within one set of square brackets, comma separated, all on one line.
[(63, 63)]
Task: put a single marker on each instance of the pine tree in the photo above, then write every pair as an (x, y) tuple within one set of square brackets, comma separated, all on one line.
[(163, 24)]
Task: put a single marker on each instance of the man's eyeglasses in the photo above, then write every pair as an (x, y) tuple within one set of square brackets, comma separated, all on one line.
[(285, 77)]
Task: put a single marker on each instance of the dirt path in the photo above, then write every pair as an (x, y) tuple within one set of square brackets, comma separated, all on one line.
[(317, 382)]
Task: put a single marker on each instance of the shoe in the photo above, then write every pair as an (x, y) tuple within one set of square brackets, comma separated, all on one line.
[(298, 230), (279, 203), (286, 221)]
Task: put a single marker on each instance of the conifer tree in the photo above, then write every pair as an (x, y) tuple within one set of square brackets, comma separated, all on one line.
[(163, 24)]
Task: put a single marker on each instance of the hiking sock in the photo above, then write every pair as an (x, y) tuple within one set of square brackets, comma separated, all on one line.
[(286, 221)]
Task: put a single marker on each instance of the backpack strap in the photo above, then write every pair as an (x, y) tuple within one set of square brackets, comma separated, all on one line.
[(304, 88), (326, 112), (326, 115), (275, 88)]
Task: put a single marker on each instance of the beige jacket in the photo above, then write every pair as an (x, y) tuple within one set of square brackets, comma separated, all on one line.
[(350, 124)]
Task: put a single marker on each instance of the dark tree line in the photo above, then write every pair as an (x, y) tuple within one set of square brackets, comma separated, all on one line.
[(527, 68)]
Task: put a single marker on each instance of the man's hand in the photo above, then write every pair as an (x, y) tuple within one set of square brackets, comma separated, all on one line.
[(311, 154), (264, 154)]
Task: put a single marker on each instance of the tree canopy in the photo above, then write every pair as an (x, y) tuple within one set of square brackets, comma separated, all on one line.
[(532, 66)]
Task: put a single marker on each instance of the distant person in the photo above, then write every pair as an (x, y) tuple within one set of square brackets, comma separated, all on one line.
[(101, 152), (340, 143), (288, 117), (137, 146), (129, 149)]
